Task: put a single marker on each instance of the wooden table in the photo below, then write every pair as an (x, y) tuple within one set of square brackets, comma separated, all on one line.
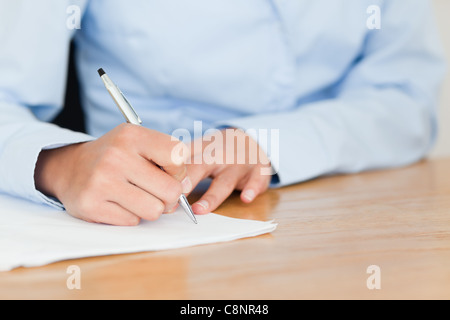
[(330, 231)]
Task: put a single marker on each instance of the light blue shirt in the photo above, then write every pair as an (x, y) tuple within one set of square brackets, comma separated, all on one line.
[(343, 97)]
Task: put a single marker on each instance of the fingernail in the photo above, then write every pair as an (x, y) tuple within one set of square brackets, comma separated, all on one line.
[(249, 195), (204, 204), (186, 185), (174, 208)]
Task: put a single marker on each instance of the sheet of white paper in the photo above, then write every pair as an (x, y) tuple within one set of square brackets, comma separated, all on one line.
[(32, 235)]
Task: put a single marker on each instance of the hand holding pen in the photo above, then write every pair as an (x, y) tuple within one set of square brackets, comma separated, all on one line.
[(114, 179), (132, 117)]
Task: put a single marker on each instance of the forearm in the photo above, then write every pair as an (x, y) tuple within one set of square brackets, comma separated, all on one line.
[(22, 139), (362, 131)]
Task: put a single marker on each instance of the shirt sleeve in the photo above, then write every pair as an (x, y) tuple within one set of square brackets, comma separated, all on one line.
[(34, 39), (384, 113)]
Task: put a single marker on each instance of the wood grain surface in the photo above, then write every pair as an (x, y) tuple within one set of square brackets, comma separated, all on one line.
[(330, 230)]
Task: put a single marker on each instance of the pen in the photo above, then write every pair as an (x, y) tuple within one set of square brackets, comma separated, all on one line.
[(132, 117)]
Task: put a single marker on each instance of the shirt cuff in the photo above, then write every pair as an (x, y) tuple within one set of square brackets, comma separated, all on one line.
[(21, 153)]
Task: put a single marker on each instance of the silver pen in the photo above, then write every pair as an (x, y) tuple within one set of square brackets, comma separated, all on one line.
[(132, 117)]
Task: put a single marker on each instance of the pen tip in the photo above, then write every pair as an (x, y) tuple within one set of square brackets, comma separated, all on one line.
[(192, 215), (101, 72)]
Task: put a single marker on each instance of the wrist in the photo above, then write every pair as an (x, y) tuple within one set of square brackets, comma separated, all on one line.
[(51, 170)]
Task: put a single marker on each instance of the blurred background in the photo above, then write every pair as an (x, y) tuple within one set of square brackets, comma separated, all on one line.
[(72, 116), (442, 148)]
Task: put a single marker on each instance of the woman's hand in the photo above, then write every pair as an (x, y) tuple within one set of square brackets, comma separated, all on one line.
[(116, 179), (234, 161)]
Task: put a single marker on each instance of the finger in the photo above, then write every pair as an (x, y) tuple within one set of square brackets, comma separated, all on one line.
[(155, 181), (113, 214), (169, 153), (198, 172), (173, 209), (179, 154), (139, 202), (164, 150), (220, 189), (257, 184), (153, 145)]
